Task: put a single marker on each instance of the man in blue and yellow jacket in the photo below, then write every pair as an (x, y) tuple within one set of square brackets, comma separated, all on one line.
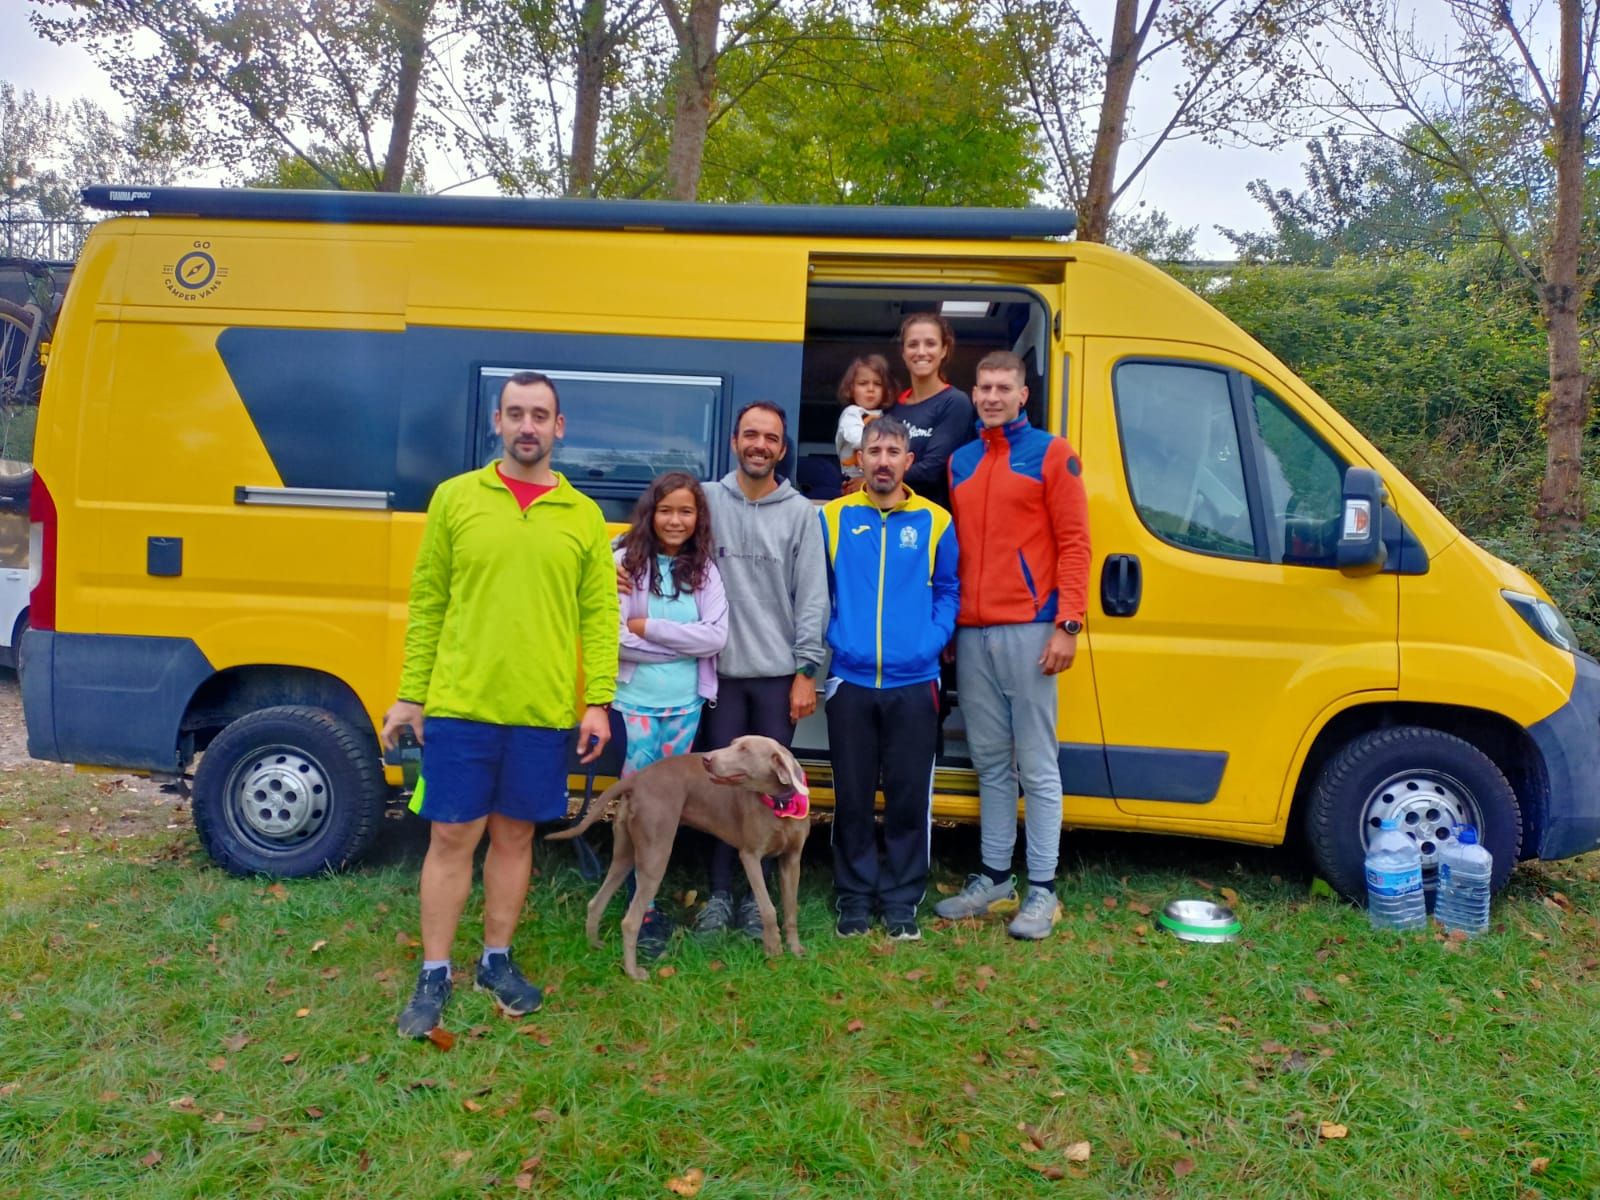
[(894, 593)]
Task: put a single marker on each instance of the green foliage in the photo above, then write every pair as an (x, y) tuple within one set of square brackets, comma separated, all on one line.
[(1443, 365), (167, 1031), (913, 105)]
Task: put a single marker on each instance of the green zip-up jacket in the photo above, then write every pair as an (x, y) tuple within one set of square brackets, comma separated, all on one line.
[(503, 599)]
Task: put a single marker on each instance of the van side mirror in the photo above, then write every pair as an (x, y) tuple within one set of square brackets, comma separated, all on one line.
[(1361, 548)]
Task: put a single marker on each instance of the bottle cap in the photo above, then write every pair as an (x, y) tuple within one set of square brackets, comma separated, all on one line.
[(1467, 835)]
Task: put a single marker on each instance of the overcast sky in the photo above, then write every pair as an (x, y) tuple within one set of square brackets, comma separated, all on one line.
[(1193, 183)]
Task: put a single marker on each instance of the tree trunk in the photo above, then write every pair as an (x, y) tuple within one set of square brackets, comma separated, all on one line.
[(1562, 298), (696, 81), (593, 51), (1122, 65), (411, 20)]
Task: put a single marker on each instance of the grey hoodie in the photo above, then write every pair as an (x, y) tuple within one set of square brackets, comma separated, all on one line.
[(769, 552)]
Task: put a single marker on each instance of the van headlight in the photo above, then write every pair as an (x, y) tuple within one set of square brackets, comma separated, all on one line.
[(1543, 618)]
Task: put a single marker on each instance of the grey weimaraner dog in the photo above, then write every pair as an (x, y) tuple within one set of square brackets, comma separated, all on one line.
[(720, 794)]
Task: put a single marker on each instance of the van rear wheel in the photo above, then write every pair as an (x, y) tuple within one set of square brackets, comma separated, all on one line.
[(288, 791), (1427, 781)]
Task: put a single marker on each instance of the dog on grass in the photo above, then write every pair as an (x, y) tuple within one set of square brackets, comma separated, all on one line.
[(735, 794)]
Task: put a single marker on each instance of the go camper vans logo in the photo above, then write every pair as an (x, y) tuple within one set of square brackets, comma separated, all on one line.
[(196, 275)]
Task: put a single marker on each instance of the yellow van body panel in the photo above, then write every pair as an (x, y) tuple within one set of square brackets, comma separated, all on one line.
[(145, 436)]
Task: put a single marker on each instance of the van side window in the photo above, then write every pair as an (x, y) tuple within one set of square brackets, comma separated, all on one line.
[(1304, 484), (622, 428), (1180, 448)]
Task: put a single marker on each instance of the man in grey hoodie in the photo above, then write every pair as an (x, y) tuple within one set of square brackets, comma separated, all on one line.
[(769, 552)]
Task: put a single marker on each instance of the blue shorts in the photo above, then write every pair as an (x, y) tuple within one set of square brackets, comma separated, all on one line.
[(472, 769)]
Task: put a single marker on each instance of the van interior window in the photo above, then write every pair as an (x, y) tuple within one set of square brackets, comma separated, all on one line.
[(844, 321)]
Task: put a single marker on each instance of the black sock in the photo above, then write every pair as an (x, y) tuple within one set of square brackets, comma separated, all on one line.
[(996, 877), (1048, 885)]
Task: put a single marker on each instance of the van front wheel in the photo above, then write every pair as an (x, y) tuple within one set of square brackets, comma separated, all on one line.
[(1429, 782), (288, 791)]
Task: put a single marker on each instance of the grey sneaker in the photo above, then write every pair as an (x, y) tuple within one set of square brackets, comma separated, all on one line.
[(1038, 915), (748, 922), (716, 916), (427, 1003), (979, 898)]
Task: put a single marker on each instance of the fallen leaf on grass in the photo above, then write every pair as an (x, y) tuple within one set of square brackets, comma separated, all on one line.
[(1311, 996), (913, 976), (278, 892), (524, 1181), (459, 1158), (1078, 1152), (235, 1042), (666, 972), (687, 1184), (1330, 1131), (1229, 895), (219, 1063), (545, 1115), (441, 1037), (536, 1033), (292, 1057), (1050, 1171), (1109, 901), (855, 1025), (1034, 1135), (302, 1012), (151, 1159), (183, 1104), (314, 1113), (946, 889), (1182, 1167), (318, 944), (472, 1106), (1139, 907), (329, 972), (1539, 1166), (255, 1125)]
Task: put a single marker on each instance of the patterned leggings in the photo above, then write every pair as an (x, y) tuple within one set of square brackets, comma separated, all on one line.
[(656, 733)]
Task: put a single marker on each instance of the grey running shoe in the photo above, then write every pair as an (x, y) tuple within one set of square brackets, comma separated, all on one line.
[(716, 916), (512, 992), (748, 921), (1038, 915), (427, 1003), (980, 897)]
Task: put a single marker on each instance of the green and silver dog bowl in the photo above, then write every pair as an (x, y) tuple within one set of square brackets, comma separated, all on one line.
[(1199, 921)]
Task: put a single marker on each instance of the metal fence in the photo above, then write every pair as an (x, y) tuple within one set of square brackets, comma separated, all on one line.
[(48, 241)]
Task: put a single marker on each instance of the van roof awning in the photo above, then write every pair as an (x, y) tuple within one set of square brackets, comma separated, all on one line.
[(781, 220)]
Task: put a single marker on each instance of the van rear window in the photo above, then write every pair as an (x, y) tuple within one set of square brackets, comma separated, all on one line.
[(622, 428)]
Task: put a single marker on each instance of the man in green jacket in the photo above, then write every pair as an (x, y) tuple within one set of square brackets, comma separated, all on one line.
[(513, 577)]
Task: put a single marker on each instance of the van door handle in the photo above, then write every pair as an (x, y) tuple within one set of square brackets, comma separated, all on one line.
[(1121, 584)]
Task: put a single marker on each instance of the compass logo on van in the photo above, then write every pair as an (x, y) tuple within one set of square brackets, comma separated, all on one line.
[(196, 275)]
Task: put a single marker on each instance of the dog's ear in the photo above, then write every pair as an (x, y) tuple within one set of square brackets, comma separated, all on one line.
[(784, 767)]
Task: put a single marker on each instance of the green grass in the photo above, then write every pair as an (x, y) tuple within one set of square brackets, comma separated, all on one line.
[(149, 1006)]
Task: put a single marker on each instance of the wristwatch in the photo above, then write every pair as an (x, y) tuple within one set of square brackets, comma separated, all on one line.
[(809, 670), (1071, 627)]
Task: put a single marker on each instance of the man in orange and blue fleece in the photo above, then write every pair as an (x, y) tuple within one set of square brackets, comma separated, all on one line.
[(1022, 521)]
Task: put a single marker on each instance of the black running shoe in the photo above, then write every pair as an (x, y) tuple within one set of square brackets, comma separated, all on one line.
[(512, 992), (655, 933), (853, 922), (748, 919), (421, 1016), (902, 926)]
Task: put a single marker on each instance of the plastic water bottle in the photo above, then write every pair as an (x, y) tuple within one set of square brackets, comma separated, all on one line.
[(1464, 871), (1395, 898)]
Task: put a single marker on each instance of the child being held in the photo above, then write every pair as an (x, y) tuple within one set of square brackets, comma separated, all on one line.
[(865, 391)]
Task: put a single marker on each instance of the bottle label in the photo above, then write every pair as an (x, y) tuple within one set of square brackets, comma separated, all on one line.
[(1393, 883)]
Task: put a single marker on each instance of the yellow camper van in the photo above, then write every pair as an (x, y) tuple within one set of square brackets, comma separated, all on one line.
[(252, 396)]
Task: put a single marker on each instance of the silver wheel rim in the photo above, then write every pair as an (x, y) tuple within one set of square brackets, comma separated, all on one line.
[(278, 798), (1428, 806)]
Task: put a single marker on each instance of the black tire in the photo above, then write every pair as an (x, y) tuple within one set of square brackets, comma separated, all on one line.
[(1427, 778), (18, 633), (288, 791)]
